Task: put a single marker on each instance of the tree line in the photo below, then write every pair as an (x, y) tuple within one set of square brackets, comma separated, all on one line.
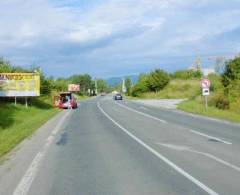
[(48, 84)]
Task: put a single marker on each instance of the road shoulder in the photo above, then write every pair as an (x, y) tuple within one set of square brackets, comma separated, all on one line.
[(14, 165)]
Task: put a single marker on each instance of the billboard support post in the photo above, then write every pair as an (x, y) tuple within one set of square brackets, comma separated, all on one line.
[(15, 101), (26, 102)]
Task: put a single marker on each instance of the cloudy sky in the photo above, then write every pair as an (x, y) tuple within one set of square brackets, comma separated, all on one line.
[(117, 37)]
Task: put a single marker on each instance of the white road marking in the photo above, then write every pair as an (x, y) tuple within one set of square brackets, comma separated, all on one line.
[(142, 113), (144, 108), (163, 121), (185, 148), (161, 157), (211, 137), (26, 181)]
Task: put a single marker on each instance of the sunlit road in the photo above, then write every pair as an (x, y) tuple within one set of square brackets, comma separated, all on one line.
[(108, 147)]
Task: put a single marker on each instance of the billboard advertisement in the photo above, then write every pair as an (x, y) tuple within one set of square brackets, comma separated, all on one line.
[(19, 84), (73, 87)]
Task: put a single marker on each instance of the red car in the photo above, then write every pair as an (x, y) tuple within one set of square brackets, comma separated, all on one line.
[(63, 102)]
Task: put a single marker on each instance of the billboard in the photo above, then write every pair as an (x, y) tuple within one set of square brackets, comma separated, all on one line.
[(73, 87), (19, 84)]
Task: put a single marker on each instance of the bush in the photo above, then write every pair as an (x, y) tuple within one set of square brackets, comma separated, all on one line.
[(141, 86), (216, 84), (231, 72), (157, 80), (222, 102), (187, 74)]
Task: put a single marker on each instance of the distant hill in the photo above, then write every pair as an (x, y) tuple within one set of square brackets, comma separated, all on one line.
[(113, 81)]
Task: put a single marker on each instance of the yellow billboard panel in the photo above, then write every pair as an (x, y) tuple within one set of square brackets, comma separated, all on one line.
[(19, 84)]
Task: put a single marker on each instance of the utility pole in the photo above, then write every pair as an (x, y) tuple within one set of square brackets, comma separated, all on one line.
[(96, 91), (124, 90), (198, 63)]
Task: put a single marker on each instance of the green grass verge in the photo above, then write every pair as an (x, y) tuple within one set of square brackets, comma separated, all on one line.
[(196, 107), (176, 89), (82, 97), (19, 122)]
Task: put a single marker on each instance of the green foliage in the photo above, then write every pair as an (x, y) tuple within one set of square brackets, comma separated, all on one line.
[(153, 82), (216, 84), (85, 82), (18, 122), (128, 84), (157, 80), (45, 85), (102, 85), (222, 102), (60, 84), (231, 72), (141, 86), (5, 66), (186, 74), (197, 107)]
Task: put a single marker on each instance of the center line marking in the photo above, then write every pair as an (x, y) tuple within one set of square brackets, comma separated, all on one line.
[(160, 156), (211, 137), (142, 113)]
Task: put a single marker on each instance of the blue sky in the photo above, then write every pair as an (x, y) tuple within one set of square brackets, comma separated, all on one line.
[(107, 38)]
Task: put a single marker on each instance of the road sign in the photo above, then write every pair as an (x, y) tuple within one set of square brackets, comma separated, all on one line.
[(205, 91), (205, 83)]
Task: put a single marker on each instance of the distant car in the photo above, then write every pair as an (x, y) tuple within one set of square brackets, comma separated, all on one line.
[(117, 96), (103, 94), (63, 102)]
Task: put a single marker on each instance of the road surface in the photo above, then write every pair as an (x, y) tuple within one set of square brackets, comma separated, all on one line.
[(108, 147)]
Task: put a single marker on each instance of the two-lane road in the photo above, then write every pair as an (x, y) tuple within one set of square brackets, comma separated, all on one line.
[(109, 147)]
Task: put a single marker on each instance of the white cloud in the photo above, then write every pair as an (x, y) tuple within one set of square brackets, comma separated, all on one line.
[(125, 29)]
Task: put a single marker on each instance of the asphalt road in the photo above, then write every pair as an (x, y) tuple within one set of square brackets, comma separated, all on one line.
[(108, 147)]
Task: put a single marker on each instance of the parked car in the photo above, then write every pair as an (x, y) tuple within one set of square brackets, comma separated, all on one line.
[(118, 96), (63, 102)]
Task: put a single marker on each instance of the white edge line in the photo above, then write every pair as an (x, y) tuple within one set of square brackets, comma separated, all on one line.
[(142, 113), (211, 137), (26, 181), (161, 157)]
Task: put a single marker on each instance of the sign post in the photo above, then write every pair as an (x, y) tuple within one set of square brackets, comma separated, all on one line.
[(205, 84)]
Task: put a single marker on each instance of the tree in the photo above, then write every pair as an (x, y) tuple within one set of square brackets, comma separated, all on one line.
[(141, 86), (231, 72), (5, 66), (45, 85), (157, 80), (101, 85), (128, 84), (85, 82), (60, 84)]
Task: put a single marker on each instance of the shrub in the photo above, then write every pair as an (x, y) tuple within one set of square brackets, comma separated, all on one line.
[(222, 102), (157, 80), (187, 74), (216, 84), (141, 86), (231, 72)]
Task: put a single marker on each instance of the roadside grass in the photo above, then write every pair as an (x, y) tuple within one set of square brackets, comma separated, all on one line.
[(19, 122), (176, 89), (197, 107), (82, 97)]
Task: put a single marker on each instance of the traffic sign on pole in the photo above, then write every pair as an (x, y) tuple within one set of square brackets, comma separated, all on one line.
[(205, 83)]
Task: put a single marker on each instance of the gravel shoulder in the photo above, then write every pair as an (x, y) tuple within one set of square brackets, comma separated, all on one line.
[(162, 103)]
